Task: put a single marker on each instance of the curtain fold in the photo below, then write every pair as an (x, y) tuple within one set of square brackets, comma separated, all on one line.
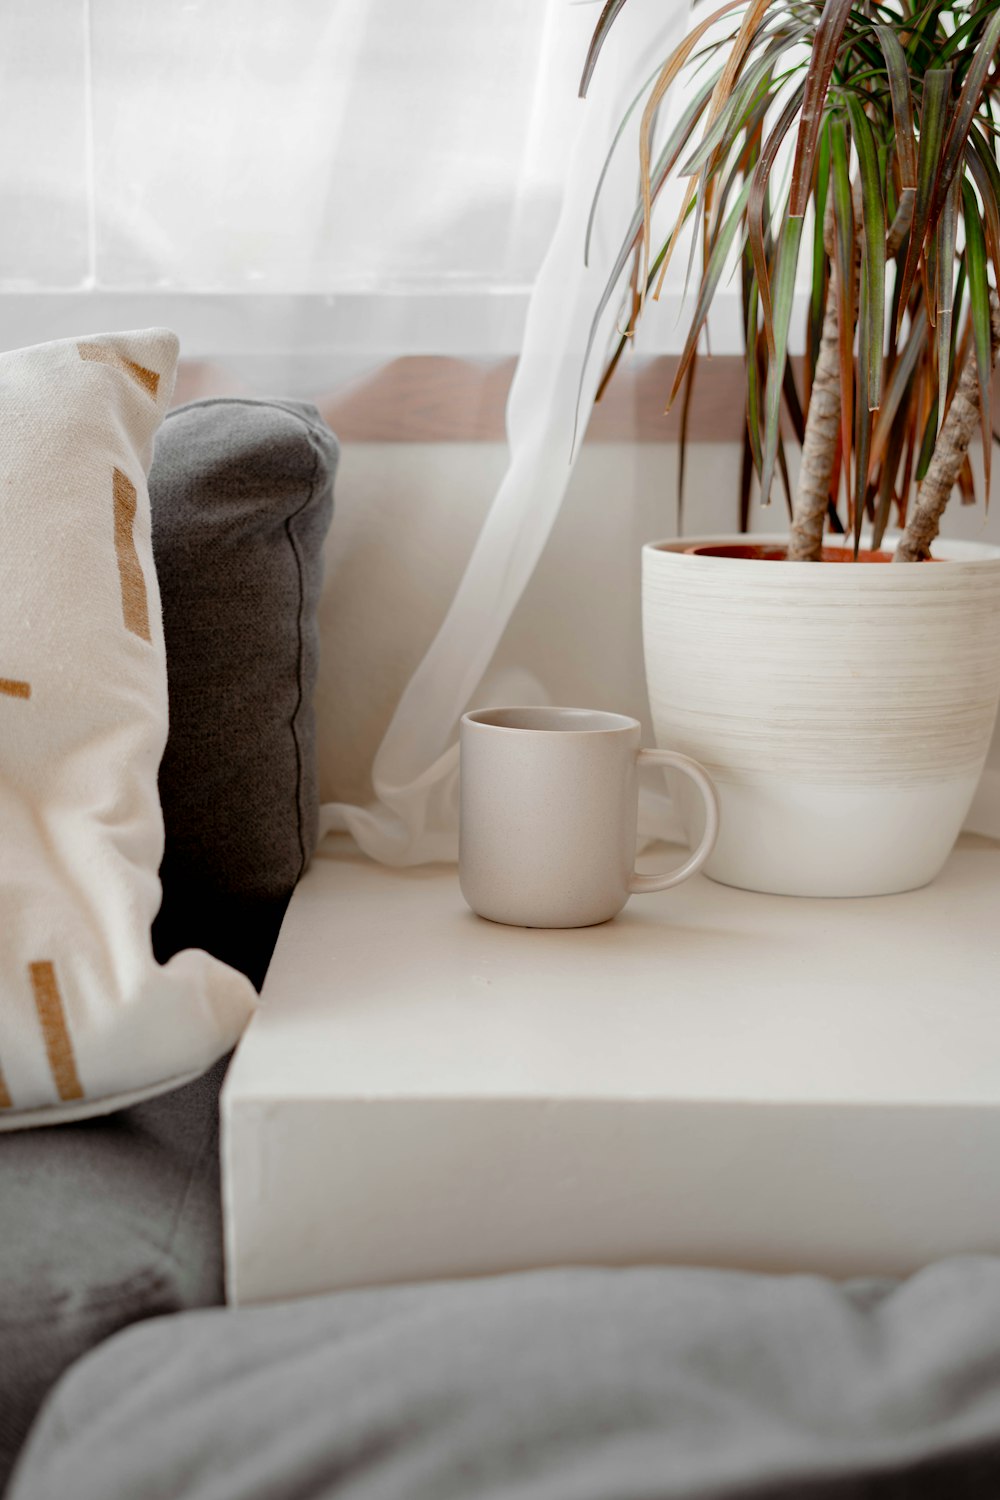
[(414, 818)]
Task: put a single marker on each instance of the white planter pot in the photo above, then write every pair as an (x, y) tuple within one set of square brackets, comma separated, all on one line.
[(844, 711)]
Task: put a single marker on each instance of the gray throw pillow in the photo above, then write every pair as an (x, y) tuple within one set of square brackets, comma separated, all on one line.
[(643, 1384), (241, 495)]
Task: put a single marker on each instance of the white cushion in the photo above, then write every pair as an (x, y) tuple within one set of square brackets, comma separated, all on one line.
[(88, 1020)]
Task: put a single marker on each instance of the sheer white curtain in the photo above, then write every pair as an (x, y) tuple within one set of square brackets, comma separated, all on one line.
[(288, 165), (317, 146), (414, 818)]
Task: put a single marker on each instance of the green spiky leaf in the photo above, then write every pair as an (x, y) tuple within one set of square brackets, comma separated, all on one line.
[(979, 306), (871, 324), (933, 126), (784, 290)]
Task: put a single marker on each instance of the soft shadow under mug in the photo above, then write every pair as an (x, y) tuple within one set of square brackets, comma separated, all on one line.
[(548, 818)]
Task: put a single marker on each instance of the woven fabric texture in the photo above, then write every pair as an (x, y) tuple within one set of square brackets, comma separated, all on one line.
[(241, 502)]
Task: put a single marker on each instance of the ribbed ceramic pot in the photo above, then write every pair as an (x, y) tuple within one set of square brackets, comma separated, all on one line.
[(843, 710)]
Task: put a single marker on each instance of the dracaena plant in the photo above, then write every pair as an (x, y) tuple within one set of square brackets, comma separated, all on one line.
[(885, 112)]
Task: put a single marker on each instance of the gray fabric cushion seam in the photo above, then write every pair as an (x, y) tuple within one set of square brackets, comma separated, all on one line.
[(300, 638)]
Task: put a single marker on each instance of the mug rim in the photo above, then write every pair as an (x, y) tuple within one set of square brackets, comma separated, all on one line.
[(478, 718)]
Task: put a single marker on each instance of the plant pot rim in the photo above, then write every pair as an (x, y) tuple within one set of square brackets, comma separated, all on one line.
[(777, 552), (976, 555)]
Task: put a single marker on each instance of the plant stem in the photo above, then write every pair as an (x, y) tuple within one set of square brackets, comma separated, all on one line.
[(949, 455), (819, 443)]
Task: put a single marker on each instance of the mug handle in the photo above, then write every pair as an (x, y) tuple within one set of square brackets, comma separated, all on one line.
[(702, 780)]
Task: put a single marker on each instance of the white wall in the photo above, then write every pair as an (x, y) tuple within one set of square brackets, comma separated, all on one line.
[(406, 517)]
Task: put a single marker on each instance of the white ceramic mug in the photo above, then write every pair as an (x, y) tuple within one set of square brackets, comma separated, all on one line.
[(548, 822)]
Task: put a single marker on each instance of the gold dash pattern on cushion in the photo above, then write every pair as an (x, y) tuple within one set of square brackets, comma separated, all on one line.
[(15, 689), (135, 610), (58, 1044), (148, 379), (6, 1102)]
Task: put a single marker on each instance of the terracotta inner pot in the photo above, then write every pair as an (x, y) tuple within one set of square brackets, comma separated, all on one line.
[(761, 551)]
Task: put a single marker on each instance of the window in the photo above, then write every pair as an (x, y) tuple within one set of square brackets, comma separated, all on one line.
[(365, 174)]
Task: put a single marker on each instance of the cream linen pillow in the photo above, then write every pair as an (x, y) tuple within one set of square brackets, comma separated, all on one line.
[(88, 1021)]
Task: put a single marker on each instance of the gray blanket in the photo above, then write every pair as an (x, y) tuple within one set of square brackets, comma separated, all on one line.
[(559, 1385)]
